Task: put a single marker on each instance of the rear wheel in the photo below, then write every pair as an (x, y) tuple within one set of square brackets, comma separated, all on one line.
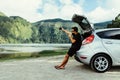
[(100, 63)]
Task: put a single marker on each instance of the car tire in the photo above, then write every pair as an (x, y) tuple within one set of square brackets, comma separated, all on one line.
[(101, 63)]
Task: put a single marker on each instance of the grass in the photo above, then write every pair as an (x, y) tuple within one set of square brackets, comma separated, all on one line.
[(52, 52), (18, 56)]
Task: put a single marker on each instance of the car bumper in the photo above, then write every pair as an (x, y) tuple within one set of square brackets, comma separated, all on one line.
[(77, 58), (84, 55)]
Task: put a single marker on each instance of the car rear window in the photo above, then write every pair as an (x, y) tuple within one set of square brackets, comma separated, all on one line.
[(109, 34)]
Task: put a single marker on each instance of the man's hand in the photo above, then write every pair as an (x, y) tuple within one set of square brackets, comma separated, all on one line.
[(61, 28)]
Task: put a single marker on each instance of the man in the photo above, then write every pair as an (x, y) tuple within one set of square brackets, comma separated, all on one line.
[(76, 41)]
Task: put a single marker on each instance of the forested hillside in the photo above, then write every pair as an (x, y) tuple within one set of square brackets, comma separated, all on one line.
[(49, 30), (115, 23), (102, 25), (15, 29)]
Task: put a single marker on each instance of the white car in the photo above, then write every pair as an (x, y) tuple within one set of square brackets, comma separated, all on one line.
[(100, 48)]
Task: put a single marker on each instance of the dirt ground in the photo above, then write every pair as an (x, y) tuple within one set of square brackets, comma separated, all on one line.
[(43, 69)]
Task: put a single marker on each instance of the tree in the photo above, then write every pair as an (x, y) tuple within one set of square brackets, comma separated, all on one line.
[(115, 23)]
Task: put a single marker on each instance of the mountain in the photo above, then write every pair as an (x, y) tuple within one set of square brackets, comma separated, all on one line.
[(102, 25), (2, 14), (109, 24), (55, 20), (115, 23), (15, 29), (49, 30)]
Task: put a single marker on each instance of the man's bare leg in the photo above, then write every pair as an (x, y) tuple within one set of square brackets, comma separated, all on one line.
[(65, 60)]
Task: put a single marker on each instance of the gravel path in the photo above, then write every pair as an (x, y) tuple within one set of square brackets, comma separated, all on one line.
[(43, 69)]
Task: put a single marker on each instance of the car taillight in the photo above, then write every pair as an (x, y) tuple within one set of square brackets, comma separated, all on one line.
[(88, 40)]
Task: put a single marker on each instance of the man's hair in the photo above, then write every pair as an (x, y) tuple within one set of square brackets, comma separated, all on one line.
[(75, 29)]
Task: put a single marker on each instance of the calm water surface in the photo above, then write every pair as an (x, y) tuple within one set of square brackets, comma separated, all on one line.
[(14, 48)]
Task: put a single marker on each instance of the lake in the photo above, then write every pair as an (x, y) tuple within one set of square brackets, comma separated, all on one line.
[(16, 48)]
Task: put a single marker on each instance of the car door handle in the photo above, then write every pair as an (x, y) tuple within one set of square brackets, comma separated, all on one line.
[(109, 42)]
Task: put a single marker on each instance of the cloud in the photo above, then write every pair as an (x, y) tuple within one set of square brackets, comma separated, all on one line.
[(50, 11), (66, 2), (24, 8), (104, 13), (35, 10), (65, 10), (69, 8), (114, 4), (100, 15)]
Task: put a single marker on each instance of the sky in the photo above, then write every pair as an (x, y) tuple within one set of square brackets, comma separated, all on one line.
[(36, 10)]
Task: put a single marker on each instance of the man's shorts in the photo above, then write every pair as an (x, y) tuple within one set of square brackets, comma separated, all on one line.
[(72, 51)]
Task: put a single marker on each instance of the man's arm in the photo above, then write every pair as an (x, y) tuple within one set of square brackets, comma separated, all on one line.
[(69, 35), (71, 39), (67, 32)]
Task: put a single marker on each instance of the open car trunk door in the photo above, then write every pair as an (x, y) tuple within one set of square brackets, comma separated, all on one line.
[(84, 24)]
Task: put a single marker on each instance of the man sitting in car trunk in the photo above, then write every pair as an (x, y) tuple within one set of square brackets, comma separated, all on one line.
[(76, 41)]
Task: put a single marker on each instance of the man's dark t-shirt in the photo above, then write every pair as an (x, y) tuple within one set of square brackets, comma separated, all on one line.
[(75, 46)]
